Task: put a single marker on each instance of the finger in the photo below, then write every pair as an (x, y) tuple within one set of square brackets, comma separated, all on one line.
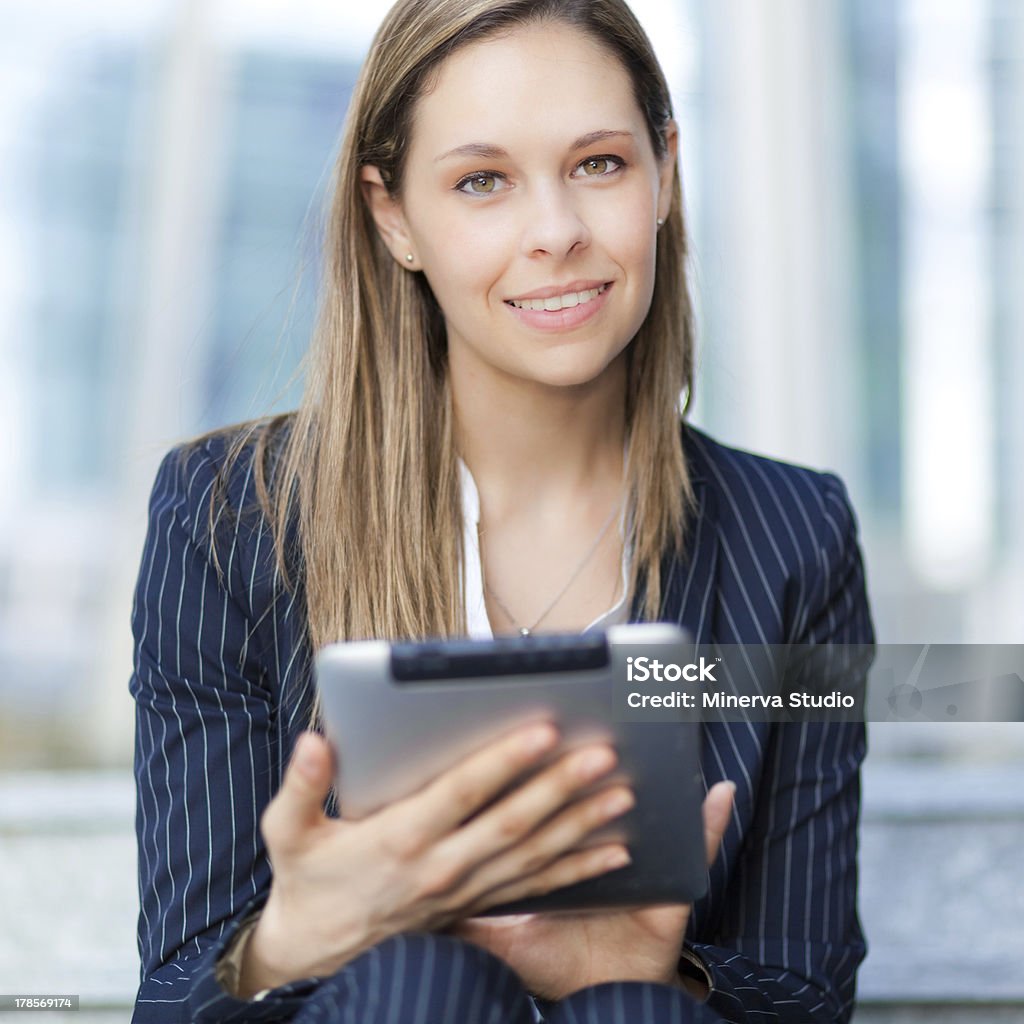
[(573, 867), (562, 835), (461, 791), (298, 806), (497, 934), (533, 822), (497, 922), (717, 811)]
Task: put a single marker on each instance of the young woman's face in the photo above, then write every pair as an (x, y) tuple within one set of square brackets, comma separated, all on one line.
[(530, 200)]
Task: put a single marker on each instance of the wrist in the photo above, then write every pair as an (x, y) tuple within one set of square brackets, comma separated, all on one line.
[(693, 976), (229, 965), (262, 964), (276, 955), (696, 989)]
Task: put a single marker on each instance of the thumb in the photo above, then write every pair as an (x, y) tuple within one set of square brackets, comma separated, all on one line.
[(298, 806), (717, 811)]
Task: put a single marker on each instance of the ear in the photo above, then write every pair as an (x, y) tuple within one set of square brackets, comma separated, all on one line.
[(387, 215), (667, 168)]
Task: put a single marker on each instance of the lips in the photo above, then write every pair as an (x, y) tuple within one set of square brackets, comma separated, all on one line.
[(561, 307), (558, 300)]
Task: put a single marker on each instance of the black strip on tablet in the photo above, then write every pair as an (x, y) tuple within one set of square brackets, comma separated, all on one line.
[(504, 656)]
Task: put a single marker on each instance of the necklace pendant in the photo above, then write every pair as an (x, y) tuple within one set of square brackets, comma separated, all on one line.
[(524, 631)]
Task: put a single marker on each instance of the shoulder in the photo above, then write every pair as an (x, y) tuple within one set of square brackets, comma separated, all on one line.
[(215, 477), (784, 537), (205, 509), (768, 494)]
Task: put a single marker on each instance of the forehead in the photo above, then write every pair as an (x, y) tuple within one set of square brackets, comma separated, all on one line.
[(540, 83)]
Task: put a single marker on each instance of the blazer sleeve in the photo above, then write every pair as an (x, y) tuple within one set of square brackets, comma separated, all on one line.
[(788, 942), (206, 754)]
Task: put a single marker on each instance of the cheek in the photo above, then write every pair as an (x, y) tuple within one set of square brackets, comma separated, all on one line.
[(632, 247), (621, 228), (464, 264)]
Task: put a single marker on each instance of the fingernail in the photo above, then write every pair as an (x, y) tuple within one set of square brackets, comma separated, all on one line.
[(305, 756), (596, 762), (537, 740), (618, 859), (618, 803)]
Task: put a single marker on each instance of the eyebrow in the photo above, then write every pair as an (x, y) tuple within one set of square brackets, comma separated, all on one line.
[(492, 152)]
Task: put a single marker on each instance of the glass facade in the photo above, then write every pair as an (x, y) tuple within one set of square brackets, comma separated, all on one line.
[(286, 119), (88, 209), (872, 113), (161, 201)]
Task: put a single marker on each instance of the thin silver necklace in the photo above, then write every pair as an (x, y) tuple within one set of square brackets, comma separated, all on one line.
[(527, 630)]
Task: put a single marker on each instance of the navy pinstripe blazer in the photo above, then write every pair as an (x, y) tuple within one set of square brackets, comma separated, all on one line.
[(222, 687)]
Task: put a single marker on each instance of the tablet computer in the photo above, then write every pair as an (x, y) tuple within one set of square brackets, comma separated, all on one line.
[(399, 714)]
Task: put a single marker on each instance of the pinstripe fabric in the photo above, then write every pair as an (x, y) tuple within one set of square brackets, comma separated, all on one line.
[(486, 991), (222, 687)]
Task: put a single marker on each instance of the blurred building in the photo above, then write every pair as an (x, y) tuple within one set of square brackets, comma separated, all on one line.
[(163, 215), (854, 177)]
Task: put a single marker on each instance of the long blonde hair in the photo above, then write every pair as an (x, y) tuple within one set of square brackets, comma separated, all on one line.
[(367, 465)]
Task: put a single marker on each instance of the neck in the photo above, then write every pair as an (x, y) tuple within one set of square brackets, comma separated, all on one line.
[(552, 443)]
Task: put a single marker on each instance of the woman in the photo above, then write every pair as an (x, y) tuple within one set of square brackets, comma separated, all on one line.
[(494, 386)]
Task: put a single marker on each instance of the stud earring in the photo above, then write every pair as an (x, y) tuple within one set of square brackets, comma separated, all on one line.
[(408, 257), (661, 221)]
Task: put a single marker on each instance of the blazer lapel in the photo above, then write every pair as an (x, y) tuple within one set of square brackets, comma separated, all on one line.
[(689, 583)]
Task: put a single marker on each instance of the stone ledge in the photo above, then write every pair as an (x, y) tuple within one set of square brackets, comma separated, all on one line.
[(916, 791), (941, 897), (63, 802), (930, 1013)]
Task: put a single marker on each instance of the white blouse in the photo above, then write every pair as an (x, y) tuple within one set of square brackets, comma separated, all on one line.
[(478, 624)]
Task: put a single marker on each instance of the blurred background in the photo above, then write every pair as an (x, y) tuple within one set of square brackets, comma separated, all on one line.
[(854, 179)]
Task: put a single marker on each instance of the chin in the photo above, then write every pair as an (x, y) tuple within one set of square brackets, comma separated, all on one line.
[(573, 366), (573, 373)]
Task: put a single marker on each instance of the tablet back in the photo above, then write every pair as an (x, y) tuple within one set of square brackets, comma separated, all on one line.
[(399, 714)]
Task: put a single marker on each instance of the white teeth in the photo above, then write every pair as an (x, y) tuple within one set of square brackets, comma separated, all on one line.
[(557, 302)]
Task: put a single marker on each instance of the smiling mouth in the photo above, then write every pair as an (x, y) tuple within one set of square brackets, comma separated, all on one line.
[(558, 302)]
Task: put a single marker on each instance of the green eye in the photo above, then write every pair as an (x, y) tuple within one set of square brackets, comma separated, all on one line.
[(481, 184), (599, 166)]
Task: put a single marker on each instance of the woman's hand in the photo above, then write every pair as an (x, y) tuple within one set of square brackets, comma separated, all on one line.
[(556, 954), (339, 887)]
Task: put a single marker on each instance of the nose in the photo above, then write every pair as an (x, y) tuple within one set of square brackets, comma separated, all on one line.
[(553, 225)]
